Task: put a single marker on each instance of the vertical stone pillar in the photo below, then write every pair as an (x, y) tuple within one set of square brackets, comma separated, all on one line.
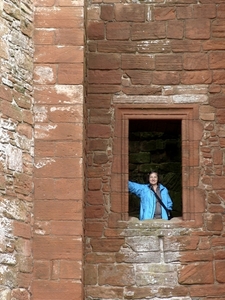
[(58, 175)]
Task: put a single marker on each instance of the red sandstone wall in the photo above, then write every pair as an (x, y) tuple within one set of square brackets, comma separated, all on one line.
[(16, 149), (58, 174), (149, 55)]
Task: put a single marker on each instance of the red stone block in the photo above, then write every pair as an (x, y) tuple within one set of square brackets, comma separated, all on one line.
[(200, 255), (98, 101), (60, 167), (62, 17), (104, 77), (11, 111), (196, 77), (217, 60), (100, 158), (70, 270), (219, 268), (204, 11), (72, 114), (146, 31), (175, 29), (219, 77), (189, 61), (57, 248), (118, 31), (22, 229), (217, 101), (130, 12), (218, 156), (107, 12), (97, 144), (218, 29), (103, 61), (58, 210), (213, 290), (166, 77), (185, 46), (68, 189), (116, 275), (20, 293), (142, 90), (117, 46), (44, 3), (94, 229), (70, 73), (107, 244), (63, 228), (221, 10), (70, 36), (95, 30), (214, 222), (139, 77), (44, 188), (94, 212), (56, 290), (57, 54), (218, 182), (197, 29), (142, 62), (197, 273), (5, 93), (60, 132), (99, 131), (164, 13), (184, 12), (164, 62), (95, 197), (94, 184), (100, 116), (213, 45), (105, 291), (74, 149), (41, 269), (44, 37)]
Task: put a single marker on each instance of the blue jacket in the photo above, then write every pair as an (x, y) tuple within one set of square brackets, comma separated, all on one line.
[(148, 199)]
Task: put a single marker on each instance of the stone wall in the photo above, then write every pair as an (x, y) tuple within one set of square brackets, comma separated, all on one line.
[(59, 156), (16, 148), (153, 56)]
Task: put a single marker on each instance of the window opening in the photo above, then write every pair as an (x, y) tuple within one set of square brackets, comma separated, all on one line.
[(155, 145)]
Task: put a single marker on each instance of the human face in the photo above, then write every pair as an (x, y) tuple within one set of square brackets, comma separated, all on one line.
[(153, 178)]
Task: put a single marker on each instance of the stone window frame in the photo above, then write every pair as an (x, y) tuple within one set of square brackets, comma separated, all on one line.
[(192, 196)]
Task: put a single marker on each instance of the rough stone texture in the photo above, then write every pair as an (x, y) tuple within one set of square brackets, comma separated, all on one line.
[(142, 57), (16, 148)]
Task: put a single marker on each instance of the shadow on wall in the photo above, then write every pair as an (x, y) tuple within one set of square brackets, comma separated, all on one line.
[(155, 145)]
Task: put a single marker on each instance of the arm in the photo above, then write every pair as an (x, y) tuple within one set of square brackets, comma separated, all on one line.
[(135, 188)]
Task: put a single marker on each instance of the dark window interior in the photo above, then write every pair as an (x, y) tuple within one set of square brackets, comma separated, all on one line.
[(155, 145)]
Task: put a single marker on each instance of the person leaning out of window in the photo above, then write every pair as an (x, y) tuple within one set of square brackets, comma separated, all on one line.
[(150, 207)]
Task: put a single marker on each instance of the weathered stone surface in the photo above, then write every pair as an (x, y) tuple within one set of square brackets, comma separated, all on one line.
[(197, 273)]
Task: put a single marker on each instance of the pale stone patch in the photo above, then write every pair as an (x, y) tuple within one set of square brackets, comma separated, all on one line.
[(44, 74), (44, 162), (73, 92), (42, 131), (190, 98), (141, 99), (14, 158), (5, 293), (40, 113)]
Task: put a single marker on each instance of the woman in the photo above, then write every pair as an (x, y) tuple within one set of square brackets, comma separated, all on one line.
[(150, 207)]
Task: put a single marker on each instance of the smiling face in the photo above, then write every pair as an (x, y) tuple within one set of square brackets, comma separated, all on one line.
[(153, 178)]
